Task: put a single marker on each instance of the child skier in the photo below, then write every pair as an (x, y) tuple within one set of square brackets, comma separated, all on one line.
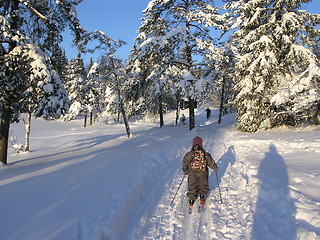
[(195, 165)]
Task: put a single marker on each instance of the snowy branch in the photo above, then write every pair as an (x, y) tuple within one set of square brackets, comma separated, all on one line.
[(45, 19)]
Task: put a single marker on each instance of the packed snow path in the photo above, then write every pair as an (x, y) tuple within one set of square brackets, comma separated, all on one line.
[(259, 201), (95, 184)]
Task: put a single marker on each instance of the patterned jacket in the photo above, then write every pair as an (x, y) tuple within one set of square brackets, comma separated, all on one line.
[(188, 158)]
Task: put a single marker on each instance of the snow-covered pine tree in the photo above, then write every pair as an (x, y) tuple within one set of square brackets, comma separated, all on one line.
[(11, 79), (169, 39), (84, 90), (277, 74), (16, 75), (134, 93), (220, 70), (60, 61), (45, 95), (114, 78), (147, 67), (75, 83), (94, 89)]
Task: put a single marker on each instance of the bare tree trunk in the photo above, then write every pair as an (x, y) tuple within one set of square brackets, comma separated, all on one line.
[(177, 110), (222, 99), (27, 125), (191, 114), (91, 118), (6, 111), (125, 120), (121, 105), (122, 111), (85, 121), (161, 112), (4, 133)]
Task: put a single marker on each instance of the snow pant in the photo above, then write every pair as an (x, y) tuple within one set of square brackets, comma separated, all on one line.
[(197, 184)]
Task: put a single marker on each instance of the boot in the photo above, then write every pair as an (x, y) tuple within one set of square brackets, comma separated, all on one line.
[(191, 202), (202, 199)]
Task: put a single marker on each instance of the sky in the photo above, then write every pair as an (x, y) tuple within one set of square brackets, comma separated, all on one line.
[(121, 19)]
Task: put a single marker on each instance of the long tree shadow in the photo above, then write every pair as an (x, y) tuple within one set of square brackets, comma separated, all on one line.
[(60, 158), (275, 209), (228, 158)]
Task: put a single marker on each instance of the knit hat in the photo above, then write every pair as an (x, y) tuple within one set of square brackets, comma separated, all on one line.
[(197, 141)]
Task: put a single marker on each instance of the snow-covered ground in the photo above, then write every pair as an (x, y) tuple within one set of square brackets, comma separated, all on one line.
[(94, 183)]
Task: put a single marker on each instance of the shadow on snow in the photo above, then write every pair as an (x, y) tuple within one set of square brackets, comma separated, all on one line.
[(275, 209)]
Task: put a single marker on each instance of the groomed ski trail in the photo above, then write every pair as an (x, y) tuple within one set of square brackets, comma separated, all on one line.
[(262, 197), (165, 222)]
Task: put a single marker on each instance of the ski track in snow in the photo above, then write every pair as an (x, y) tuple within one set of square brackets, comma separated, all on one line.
[(211, 223), (258, 200), (175, 223)]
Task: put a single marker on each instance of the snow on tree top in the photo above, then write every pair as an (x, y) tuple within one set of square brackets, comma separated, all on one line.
[(153, 3)]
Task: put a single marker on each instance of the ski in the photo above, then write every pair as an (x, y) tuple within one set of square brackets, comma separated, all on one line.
[(191, 202), (200, 207), (190, 209)]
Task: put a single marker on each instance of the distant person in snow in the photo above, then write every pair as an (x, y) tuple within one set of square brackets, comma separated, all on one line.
[(208, 113), (183, 119), (195, 164)]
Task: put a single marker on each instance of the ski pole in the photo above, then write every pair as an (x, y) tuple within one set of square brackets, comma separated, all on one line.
[(218, 185), (177, 190)]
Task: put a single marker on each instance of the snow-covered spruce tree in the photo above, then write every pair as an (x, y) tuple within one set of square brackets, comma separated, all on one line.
[(133, 94), (18, 77), (48, 41), (75, 83), (84, 90), (277, 73), (45, 95), (220, 70), (148, 77), (169, 39)]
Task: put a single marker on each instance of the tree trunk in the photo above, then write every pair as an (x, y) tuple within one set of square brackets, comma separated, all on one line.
[(4, 133), (316, 115), (121, 106), (6, 111), (125, 120), (122, 111), (27, 124), (222, 99), (85, 121), (161, 112), (91, 118), (177, 111), (191, 114)]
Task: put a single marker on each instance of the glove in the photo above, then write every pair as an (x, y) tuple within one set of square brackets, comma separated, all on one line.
[(185, 173), (216, 169)]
